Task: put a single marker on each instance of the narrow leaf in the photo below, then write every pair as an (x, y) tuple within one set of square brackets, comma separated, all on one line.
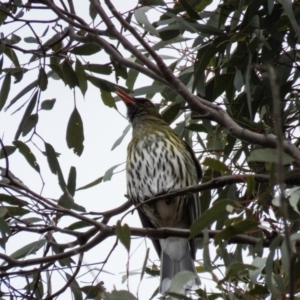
[(107, 99), (81, 76), (69, 74), (27, 113), (216, 165), (29, 156), (75, 136), (29, 124), (42, 79), (268, 155), (5, 90), (120, 139), (123, 234), (72, 181), (86, 49), (218, 211), (31, 248)]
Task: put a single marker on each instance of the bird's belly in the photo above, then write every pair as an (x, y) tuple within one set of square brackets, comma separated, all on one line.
[(155, 167)]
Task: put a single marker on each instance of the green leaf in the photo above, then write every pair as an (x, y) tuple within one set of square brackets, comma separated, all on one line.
[(48, 104), (12, 200), (31, 248), (31, 39), (102, 84), (96, 68), (119, 295), (66, 200), (10, 53), (92, 291), (109, 173), (69, 74), (28, 155), (235, 268), (29, 124), (72, 181), (123, 234), (93, 183), (189, 9), (217, 212), (58, 71), (3, 211), (120, 139), (268, 155), (93, 12), (5, 90), (108, 99), (238, 80), (9, 150), (170, 113), (17, 211), (4, 228), (75, 136), (42, 79), (54, 165), (141, 18), (216, 165), (86, 49), (27, 113), (81, 76), (75, 288), (179, 280), (239, 228)]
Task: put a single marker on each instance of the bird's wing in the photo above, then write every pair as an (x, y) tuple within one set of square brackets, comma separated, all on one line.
[(194, 201), (147, 224), (195, 160)]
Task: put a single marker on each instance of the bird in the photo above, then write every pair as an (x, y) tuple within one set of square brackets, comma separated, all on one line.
[(158, 160)]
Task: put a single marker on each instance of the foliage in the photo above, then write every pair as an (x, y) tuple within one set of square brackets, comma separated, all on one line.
[(240, 56)]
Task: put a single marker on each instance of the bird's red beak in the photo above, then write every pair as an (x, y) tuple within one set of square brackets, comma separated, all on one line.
[(128, 100)]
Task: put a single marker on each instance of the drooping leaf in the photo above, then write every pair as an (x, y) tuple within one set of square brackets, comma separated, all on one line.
[(120, 139), (28, 155), (123, 234), (27, 113), (29, 124), (75, 136), (71, 185), (141, 17), (42, 79), (109, 173), (81, 76), (107, 99), (54, 165), (5, 90), (170, 113), (69, 74), (189, 9)]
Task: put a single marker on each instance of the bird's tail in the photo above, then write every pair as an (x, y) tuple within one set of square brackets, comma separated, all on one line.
[(169, 268)]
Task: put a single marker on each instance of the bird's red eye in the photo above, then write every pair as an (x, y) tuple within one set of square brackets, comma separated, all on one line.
[(147, 104)]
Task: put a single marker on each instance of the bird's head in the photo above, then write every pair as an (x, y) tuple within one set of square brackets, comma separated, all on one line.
[(138, 108)]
